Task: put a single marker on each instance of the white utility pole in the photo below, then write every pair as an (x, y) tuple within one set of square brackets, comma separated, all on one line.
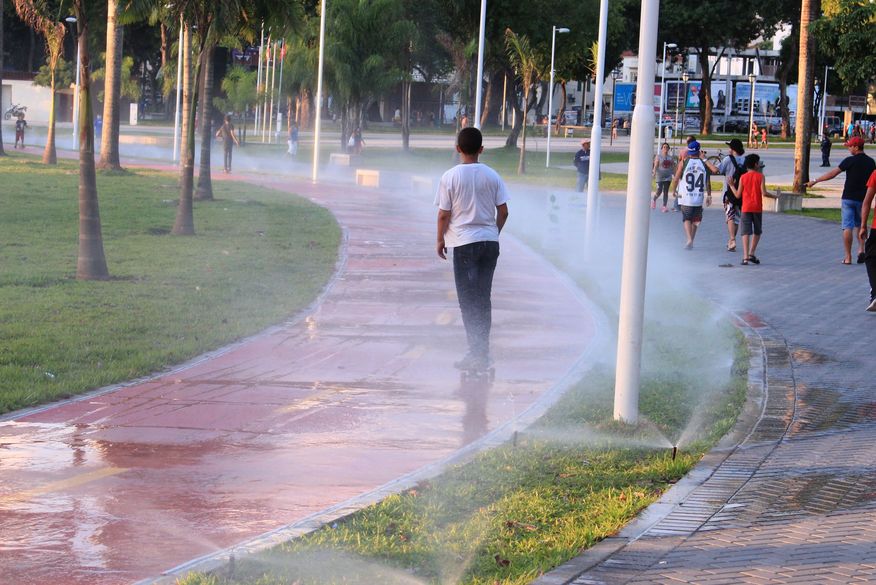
[(479, 79), (590, 222), (554, 31), (316, 124), (178, 114), (635, 259)]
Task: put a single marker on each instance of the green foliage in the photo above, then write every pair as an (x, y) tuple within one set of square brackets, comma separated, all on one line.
[(64, 75), (239, 87), (260, 256), (130, 88), (846, 34)]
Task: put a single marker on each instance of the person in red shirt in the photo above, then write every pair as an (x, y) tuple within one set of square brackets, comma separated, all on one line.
[(870, 244), (752, 186)]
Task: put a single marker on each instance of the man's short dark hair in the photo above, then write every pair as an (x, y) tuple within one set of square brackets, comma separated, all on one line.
[(469, 140), (752, 161)]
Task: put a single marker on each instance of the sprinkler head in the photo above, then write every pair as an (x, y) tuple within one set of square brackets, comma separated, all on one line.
[(674, 451), (514, 439)]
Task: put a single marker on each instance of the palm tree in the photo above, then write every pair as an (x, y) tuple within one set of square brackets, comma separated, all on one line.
[(526, 65), (109, 141), (53, 32), (205, 182), (2, 151), (184, 224), (805, 77)]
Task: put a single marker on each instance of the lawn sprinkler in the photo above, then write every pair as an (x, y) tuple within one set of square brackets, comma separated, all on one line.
[(674, 451)]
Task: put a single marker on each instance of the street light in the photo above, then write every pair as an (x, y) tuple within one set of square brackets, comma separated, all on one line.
[(593, 198), (72, 21), (663, 89), (685, 78), (320, 64), (615, 74), (823, 108), (480, 75), (751, 79), (554, 32)]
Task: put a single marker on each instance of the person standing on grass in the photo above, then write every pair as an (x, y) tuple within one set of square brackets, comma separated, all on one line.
[(582, 165), (662, 171), (691, 185), (472, 206), (732, 168), (870, 243), (858, 167), (20, 126), (752, 186), (229, 139)]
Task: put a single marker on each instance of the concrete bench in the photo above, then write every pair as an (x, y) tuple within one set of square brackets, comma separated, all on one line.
[(340, 159), (783, 201), (367, 178)]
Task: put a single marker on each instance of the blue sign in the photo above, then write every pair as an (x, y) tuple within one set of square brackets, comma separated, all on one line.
[(624, 97)]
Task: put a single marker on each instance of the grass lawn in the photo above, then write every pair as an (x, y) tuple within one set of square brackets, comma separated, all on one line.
[(516, 511), (829, 214), (258, 257)]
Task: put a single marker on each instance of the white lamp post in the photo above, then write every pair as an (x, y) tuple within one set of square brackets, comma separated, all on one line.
[(554, 32), (615, 74), (823, 109), (177, 114), (479, 80), (663, 89), (684, 78), (72, 20), (635, 258), (316, 125), (590, 220), (751, 79)]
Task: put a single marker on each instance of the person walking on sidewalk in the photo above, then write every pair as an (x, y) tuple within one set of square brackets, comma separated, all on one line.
[(582, 165), (662, 171), (229, 139), (691, 181), (752, 186), (732, 167), (870, 243), (825, 150), (858, 167), (472, 206)]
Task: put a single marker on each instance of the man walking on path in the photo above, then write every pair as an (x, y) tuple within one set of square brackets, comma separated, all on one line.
[(732, 167), (870, 244), (691, 181), (825, 150), (472, 210), (858, 168), (229, 139), (582, 165)]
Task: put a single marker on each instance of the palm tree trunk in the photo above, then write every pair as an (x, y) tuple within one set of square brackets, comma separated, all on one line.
[(806, 74), (2, 8), (184, 225), (50, 155), (521, 162), (109, 141), (91, 262), (205, 182)]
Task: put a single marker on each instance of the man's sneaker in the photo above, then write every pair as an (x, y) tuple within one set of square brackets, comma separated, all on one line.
[(872, 306), (664, 210), (653, 204), (472, 362)]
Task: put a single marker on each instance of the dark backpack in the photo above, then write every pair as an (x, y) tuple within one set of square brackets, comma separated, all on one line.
[(739, 170)]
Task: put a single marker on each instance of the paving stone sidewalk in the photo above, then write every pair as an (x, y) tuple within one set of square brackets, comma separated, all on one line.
[(796, 501)]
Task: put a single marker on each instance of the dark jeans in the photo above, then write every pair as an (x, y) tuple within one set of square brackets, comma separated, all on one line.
[(228, 158), (825, 159), (473, 268), (870, 261), (663, 187)]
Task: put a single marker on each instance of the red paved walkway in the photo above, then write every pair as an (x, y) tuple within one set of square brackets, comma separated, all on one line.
[(124, 485)]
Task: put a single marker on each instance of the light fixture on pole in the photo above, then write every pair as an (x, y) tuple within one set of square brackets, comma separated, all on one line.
[(554, 32), (320, 64), (636, 225), (751, 79), (479, 80), (591, 220), (72, 20), (177, 113), (663, 88), (684, 78), (615, 74)]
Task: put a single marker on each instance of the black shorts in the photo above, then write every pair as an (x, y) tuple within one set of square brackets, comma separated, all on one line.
[(692, 213), (752, 223)]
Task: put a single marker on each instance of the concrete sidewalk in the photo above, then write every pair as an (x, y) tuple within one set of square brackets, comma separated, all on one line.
[(795, 502), (317, 414)]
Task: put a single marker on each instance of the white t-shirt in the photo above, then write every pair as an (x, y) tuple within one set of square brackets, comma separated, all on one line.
[(471, 192), (692, 186)]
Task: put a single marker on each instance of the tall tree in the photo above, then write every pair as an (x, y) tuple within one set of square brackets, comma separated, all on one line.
[(54, 32), (845, 33), (184, 223), (2, 9), (526, 66), (109, 141), (692, 25), (809, 10), (53, 75)]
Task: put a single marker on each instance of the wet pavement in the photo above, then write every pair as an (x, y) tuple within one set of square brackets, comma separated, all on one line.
[(122, 485), (795, 501)]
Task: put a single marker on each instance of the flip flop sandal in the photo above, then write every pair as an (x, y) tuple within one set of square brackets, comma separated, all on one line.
[(744, 262), (846, 262), (754, 259)]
